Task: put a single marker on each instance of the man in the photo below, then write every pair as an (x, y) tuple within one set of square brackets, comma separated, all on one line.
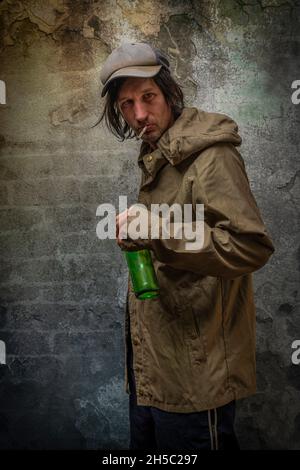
[(191, 352)]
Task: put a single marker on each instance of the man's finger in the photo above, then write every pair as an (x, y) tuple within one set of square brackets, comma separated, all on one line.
[(121, 224)]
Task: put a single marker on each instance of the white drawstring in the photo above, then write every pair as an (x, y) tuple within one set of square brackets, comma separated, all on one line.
[(213, 430), (216, 429), (210, 431)]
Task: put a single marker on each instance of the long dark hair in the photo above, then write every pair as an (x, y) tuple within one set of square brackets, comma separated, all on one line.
[(112, 116)]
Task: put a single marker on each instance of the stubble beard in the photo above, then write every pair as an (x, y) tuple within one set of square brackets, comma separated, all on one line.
[(154, 136)]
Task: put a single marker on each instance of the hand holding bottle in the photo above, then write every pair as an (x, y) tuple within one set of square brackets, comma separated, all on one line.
[(139, 262), (121, 227)]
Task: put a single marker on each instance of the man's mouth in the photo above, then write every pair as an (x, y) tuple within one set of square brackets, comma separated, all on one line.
[(149, 128)]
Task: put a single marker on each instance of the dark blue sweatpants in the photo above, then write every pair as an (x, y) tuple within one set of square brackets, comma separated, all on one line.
[(155, 429)]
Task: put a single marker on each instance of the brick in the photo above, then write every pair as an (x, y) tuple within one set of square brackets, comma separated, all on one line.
[(45, 192), (60, 317), (104, 286), (99, 269), (92, 290), (88, 163), (38, 243), (27, 244), (44, 370), (91, 371), (87, 243), (18, 293), (79, 243), (17, 219), (98, 191), (3, 316), (106, 190), (43, 270), (104, 344), (22, 343), (20, 167), (71, 219), (3, 195), (102, 165), (17, 398), (64, 292)]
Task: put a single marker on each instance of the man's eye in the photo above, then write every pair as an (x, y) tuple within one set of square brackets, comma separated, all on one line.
[(148, 96), (125, 104)]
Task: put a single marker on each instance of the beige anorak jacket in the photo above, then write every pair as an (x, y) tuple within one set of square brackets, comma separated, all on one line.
[(194, 346)]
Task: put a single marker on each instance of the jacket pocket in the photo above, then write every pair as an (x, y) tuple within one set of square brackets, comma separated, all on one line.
[(195, 338)]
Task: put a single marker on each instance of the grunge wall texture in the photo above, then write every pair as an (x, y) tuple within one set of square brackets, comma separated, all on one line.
[(62, 290)]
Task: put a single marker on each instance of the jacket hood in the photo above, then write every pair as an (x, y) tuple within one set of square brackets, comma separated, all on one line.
[(193, 131)]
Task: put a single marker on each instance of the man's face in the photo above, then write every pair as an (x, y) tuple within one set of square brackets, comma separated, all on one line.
[(142, 103)]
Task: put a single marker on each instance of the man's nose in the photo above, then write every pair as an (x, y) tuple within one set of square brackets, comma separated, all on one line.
[(140, 112)]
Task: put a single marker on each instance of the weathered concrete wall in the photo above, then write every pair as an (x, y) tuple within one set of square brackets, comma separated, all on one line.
[(62, 290)]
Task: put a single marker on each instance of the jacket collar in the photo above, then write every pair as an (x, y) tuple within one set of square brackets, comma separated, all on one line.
[(193, 131)]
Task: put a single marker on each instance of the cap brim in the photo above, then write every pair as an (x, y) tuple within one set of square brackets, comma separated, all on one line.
[(145, 71)]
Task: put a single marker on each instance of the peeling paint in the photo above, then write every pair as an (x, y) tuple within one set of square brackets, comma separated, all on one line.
[(48, 16)]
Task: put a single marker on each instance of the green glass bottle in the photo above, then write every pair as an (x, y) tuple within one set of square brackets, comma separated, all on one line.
[(142, 274)]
